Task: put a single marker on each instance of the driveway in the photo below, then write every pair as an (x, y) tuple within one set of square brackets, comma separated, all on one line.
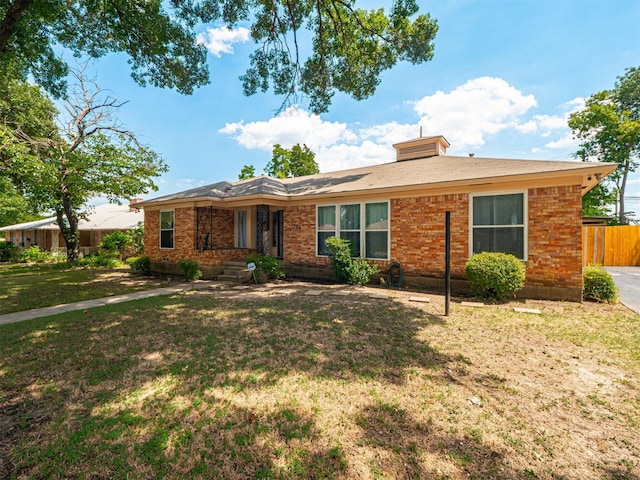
[(628, 281)]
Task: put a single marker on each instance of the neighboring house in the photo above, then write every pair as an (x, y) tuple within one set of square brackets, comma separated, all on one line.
[(100, 221), (393, 212)]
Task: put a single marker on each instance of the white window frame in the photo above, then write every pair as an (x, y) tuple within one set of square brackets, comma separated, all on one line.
[(525, 218), (363, 226), (173, 230)]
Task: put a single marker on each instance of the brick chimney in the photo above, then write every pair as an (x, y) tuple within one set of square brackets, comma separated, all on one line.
[(132, 202), (422, 147)]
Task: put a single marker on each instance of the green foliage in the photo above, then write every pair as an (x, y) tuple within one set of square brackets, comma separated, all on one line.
[(266, 267), (609, 128), (191, 270), (140, 265), (495, 275), (14, 207), (115, 243), (340, 257), (9, 252), (295, 162), (97, 261), (247, 172), (598, 285), (360, 271), (60, 169), (349, 47), (33, 254), (137, 239), (345, 267)]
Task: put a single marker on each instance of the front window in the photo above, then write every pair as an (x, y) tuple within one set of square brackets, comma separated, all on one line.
[(346, 221), (325, 227), (166, 229), (498, 224)]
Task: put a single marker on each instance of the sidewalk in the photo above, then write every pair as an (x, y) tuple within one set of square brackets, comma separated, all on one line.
[(98, 302)]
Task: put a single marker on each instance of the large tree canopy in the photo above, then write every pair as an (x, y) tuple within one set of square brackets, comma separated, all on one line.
[(59, 168), (310, 48), (609, 127)]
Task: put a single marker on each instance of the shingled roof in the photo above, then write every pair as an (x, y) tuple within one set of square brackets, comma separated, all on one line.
[(425, 173)]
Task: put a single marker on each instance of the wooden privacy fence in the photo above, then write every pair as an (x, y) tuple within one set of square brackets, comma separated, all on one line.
[(611, 246)]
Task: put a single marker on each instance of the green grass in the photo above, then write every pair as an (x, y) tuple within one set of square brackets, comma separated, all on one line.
[(23, 287), (229, 384)]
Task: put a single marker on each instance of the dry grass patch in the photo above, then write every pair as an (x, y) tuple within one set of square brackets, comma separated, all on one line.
[(253, 384)]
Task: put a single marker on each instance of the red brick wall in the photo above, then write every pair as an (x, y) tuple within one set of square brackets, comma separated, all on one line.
[(184, 239), (555, 237), (418, 234), (300, 237)]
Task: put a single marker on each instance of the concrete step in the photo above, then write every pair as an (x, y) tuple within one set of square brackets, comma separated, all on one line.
[(236, 263), (239, 273), (235, 277)]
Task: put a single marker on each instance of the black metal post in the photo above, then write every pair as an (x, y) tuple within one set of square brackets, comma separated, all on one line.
[(447, 261)]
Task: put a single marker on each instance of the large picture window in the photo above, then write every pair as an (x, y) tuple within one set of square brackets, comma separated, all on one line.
[(498, 224), (166, 229), (365, 225)]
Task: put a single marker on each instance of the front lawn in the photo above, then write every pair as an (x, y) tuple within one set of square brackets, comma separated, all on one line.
[(251, 384), (23, 287)]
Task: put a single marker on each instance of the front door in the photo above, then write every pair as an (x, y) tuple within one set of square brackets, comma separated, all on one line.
[(278, 235)]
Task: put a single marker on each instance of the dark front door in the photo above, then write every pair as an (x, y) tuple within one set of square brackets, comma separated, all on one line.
[(278, 235)]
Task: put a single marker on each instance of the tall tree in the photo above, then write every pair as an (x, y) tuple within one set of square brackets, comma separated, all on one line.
[(60, 169), (294, 162), (14, 208), (609, 127), (348, 47)]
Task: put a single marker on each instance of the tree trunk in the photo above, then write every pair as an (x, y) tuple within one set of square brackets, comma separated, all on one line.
[(11, 18), (69, 230)]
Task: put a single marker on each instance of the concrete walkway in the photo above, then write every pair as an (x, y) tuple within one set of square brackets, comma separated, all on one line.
[(98, 302)]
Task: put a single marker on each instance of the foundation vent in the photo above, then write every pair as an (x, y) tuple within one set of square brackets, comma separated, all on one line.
[(422, 147)]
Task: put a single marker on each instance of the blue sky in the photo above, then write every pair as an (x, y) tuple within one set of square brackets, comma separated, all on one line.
[(505, 76)]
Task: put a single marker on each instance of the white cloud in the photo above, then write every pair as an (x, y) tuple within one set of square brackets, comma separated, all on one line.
[(293, 126), (220, 40), (468, 116), (470, 113), (565, 142)]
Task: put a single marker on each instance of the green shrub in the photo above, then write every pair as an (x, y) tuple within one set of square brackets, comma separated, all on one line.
[(266, 267), (360, 271), (140, 265), (191, 270), (115, 243), (495, 275), (34, 254), (345, 268), (137, 239), (97, 261), (340, 254), (9, 252), (598, 285)]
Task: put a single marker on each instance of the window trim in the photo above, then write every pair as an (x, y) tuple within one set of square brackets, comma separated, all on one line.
[(173, 230), (525, 218), (363, 227)]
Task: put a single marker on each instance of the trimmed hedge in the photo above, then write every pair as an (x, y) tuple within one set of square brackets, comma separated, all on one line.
[(495, 275), (598, 285)]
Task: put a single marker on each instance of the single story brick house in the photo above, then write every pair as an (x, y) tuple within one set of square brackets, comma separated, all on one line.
[(393, 212), (99, 221)]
